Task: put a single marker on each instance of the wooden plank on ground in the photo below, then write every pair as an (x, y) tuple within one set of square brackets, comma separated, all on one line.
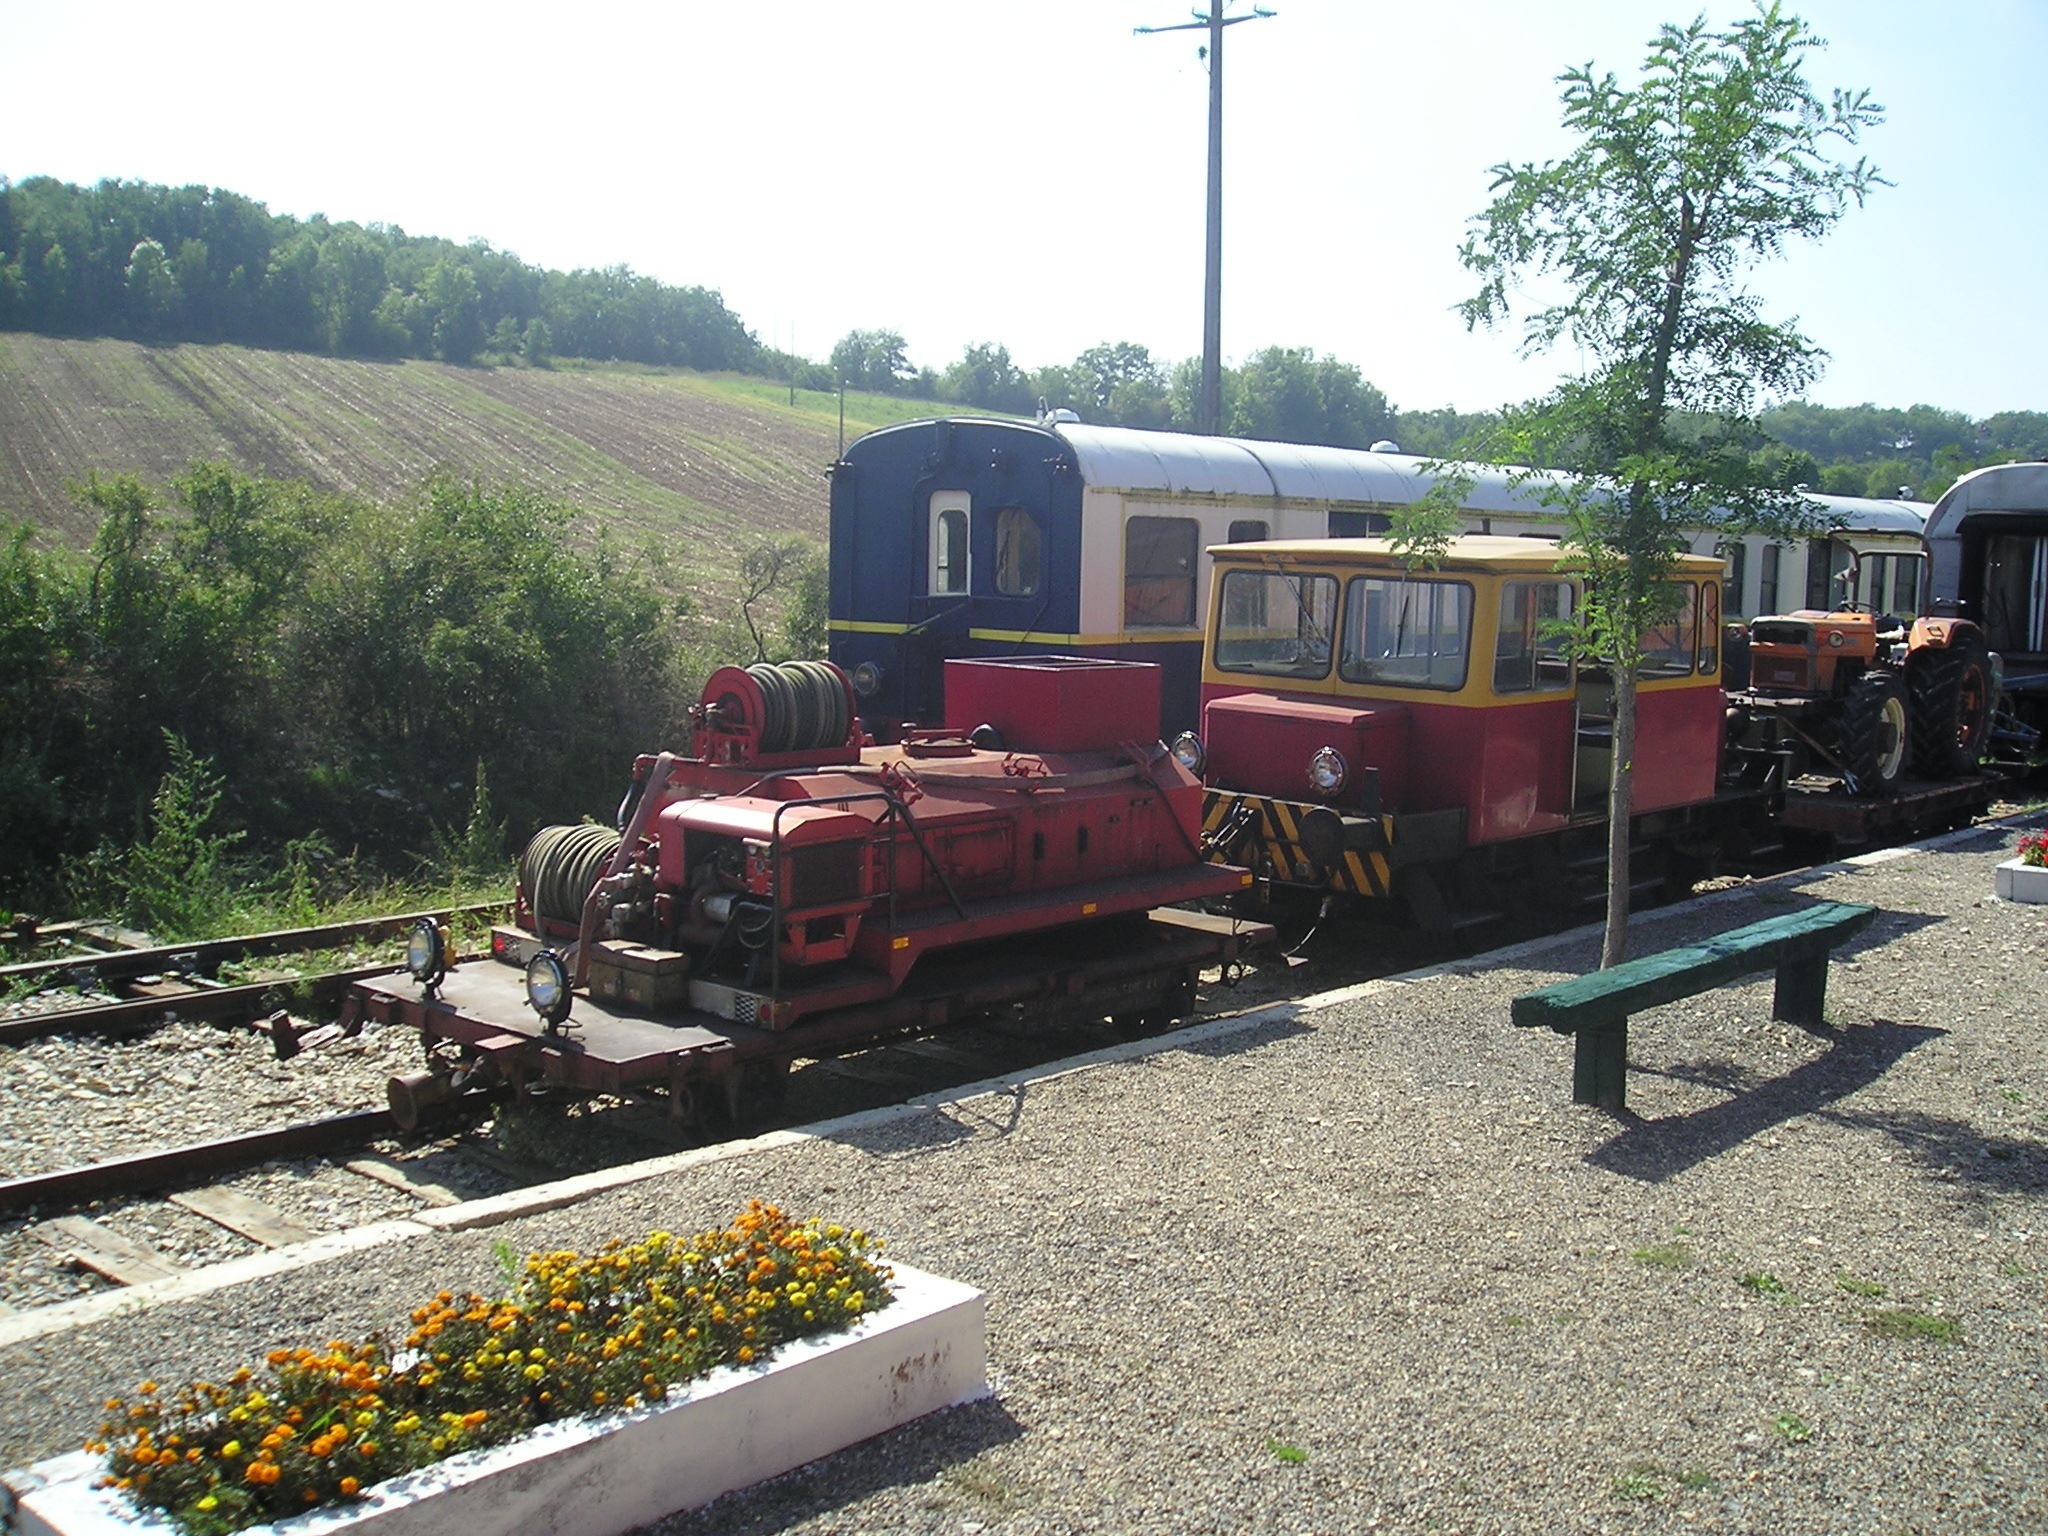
[(407, 1176), (862, 1072), (938, 1050), (256, 1221), (106, 1252)]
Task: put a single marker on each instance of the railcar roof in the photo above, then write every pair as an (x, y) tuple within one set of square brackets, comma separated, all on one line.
[(2016, 488), (1470, 552), (1133, 459)]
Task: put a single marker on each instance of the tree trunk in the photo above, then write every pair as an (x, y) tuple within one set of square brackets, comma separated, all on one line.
[(1621, 799)]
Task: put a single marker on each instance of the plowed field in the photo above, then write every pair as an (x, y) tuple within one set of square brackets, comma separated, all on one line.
[(707, 464)]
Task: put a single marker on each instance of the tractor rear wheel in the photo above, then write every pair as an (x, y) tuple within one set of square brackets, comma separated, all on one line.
[(1873, 739), (1950, 693)]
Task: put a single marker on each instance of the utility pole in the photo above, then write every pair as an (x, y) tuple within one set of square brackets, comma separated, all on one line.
[(1209, 412)]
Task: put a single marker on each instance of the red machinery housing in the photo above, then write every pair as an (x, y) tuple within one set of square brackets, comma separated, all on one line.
[(791, 884)]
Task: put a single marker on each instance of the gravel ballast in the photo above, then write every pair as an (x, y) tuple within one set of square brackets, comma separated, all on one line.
[(1365, 1266)]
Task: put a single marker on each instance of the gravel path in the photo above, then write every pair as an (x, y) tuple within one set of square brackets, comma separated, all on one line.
[(1799, 1288)]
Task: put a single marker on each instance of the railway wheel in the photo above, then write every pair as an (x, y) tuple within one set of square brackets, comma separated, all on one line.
[(1950, 693), (1873, 734)]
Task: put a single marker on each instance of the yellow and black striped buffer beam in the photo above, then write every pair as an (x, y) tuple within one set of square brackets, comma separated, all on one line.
[(1277, 834)]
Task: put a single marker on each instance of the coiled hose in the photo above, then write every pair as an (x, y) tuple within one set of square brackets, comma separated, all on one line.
[(561, 864), (806, 708)]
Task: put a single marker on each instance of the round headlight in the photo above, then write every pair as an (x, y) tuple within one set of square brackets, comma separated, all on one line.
[(1327, 771), (1187, 751), (423, 950), (867, 679), (547, 987)]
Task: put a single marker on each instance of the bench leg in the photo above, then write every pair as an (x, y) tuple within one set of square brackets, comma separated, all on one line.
[(1802, 993), (1600, 1067)]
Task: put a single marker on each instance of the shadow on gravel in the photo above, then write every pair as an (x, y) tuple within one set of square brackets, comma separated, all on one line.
[(1957, 1151), (1654, 1150), (932, 1450)]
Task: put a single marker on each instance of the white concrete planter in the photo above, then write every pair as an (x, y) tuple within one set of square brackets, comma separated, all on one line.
[(2021, 882), (595, 1477)]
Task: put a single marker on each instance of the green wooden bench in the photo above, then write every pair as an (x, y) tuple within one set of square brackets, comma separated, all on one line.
[(1595, 1007)]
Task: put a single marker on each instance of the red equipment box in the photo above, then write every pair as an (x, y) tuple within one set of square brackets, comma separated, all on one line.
[(1055, 703)]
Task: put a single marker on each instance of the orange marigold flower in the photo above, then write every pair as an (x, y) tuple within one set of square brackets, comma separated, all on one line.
[(349, 1485)]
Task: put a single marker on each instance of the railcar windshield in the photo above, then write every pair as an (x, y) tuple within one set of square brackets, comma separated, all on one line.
[(1276, 624), (1407, 633)]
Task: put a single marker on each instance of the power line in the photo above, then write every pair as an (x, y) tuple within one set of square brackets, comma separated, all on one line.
[(1209, 412)]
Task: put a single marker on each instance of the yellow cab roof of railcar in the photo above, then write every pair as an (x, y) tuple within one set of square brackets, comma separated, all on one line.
[(1495, 553)]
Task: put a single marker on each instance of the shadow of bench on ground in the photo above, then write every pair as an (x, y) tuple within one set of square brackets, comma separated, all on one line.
[(1655, 1150)]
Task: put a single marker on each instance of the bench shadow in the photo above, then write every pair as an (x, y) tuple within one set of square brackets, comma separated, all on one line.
[(1655, 1150), (919, 1452), (1978, 1163)]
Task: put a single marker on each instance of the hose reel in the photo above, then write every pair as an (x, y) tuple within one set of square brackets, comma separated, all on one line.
[(561, 865), (773, 708)]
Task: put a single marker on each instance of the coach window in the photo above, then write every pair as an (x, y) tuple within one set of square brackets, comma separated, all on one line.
[(1020, 554), (1736, 553), (1248, 530), (1407, 633), (1767, 580), (950, 570), (1668, 649), (1529, 652), (1159, 572)]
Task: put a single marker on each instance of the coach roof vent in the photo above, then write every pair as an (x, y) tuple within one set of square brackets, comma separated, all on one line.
[(1385, 445)]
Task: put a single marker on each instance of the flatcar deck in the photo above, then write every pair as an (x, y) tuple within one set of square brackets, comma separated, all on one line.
[(1918, 807), (1120, 967)]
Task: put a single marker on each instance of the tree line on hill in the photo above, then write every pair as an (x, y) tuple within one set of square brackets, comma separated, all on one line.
[(166, 264), (344, 675)]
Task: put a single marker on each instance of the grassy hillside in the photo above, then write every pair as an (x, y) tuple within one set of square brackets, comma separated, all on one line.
[(708, 463)]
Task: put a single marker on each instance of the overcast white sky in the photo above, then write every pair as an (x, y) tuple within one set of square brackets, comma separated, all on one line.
[(1031, 173)]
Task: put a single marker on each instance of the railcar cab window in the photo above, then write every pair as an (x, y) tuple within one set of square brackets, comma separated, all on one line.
[(1020, 554), (950, 567), (1159, 572), (1276, 624), (1668, 649), (1407, 633), (1529, 652)]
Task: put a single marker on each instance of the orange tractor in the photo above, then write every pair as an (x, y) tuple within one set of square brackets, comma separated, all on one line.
[(1859, 695)]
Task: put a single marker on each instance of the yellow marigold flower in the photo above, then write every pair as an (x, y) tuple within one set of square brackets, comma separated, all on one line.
[(533, 1373), (746, 1353), (438, 1443), (209, 1502), (232, 1449)]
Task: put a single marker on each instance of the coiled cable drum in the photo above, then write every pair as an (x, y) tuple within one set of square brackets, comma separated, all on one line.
[(804, 706), (561, 864)]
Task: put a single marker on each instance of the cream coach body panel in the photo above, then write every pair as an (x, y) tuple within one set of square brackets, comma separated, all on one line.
[(1102, 563)]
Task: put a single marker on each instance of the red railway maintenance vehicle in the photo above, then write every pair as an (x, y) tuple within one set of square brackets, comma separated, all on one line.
[(1421, 737), (794, 891)]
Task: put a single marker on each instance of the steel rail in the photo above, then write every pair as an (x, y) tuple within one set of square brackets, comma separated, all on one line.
[(200, 1003), (159, 1170), (204, 954)]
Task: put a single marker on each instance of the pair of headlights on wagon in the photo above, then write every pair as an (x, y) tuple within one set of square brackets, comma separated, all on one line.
[(1327, 770)]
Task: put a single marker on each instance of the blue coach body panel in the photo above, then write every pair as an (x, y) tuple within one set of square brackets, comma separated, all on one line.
[(880, 553)]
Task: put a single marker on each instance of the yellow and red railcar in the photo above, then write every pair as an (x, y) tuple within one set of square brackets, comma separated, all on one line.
[(1424, 735)]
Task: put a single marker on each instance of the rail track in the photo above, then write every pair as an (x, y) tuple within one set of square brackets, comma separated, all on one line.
[(87, 1216)]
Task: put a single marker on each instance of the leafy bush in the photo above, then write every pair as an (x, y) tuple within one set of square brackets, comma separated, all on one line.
[(581, 1333)]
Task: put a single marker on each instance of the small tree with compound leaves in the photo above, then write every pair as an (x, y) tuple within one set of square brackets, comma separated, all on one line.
[(1636, 245)]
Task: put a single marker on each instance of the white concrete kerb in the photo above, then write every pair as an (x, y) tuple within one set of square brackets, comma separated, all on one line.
[(537, 1199), (925, 1351)]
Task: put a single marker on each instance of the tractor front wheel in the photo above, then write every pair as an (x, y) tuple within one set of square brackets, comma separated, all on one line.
[(1873, 745), (1950, 694)]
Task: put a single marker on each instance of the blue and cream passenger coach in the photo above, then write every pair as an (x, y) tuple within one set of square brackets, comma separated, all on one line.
[(978, 536)]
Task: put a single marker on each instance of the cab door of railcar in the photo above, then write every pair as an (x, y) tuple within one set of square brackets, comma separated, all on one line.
[(1533, 748)]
